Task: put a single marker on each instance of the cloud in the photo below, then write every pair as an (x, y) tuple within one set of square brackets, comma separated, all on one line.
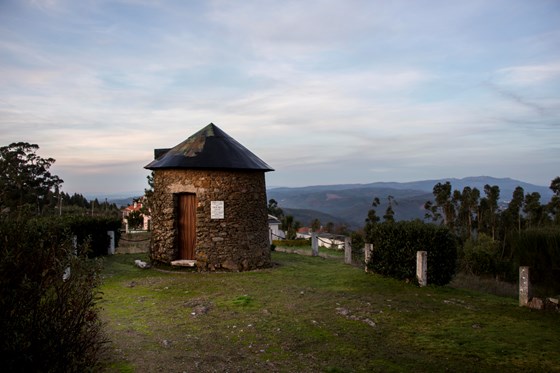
[(337, 87), (530, 74)]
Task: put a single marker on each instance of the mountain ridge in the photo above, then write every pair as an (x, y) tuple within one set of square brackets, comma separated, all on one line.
[(351, 202)]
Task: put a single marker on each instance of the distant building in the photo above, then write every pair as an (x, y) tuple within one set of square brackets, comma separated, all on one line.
[(325, 239), (137, 204), (274, 228)]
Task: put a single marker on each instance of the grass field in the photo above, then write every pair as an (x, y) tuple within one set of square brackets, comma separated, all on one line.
[(313, 315)]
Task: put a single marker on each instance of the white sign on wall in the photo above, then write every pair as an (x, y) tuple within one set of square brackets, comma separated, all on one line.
[(216, 209)]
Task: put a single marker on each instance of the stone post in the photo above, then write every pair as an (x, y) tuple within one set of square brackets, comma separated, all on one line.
[(422, 267), (314, 244), (111, 248), (525, 291), (347, 251), (368, 250)]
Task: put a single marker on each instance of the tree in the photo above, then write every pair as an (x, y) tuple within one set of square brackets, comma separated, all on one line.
[(443, 207), (492, 198), (290, 227), (468, 208), (390, 213), (533, 209), (371, 220), (513, 211), (148, 193), (25, 178), (554, 204), (135, 219), (274, 210), (316, 225)]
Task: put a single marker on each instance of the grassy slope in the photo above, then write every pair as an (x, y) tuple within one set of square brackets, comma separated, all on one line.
[(314, 314)]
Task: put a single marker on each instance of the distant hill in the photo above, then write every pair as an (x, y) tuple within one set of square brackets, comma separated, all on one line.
[(305, 217), (349, 203)]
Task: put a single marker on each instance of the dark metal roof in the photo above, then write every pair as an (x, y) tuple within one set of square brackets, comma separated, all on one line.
[(208, 148)]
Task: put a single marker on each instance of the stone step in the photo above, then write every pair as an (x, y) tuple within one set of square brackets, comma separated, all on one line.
[(184, 263)]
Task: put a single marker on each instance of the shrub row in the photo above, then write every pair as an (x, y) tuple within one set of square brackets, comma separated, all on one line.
[(292, 243), (86, 229), (92, 230), (395, 246), (48, 314), (538, 248)]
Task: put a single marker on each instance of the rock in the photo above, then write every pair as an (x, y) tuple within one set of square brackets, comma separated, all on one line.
[(369, 322), (230, 265), (536, 303), (551, 304), (141, 264)]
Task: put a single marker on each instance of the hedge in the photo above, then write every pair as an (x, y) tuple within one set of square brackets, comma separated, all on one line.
[(538, 248), (395, 246), (292, 243), (94, 230)]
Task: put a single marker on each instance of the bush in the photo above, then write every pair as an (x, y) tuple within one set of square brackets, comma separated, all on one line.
[(395, 246), (92, 229), (358, 244), (48, 314), (481, 256), (292, 243), (538, 248)]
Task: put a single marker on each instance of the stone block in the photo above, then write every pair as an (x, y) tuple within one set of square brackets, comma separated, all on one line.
[(536, 303)]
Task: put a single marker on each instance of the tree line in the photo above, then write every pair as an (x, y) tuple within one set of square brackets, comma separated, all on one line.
[(28, 188), (470, 212), (494, 238)]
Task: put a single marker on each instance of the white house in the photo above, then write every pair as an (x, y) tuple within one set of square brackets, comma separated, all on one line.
[(274, 228)]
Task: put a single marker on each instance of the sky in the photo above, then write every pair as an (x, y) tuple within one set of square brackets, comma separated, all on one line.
[(325, 92)]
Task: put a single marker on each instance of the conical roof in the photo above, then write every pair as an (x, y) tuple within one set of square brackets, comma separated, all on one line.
[(209, 148)]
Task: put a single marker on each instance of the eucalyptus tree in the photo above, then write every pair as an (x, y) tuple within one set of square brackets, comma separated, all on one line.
[(467, 210), (371, 220), (390, 212), (491, 206), (533, 209), (554, 204), (513, 214), (443, 206)]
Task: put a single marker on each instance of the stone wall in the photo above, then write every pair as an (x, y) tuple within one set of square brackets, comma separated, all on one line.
[(239, 242)]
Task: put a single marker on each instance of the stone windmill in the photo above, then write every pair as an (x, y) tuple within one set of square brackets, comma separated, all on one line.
[(209, 204)]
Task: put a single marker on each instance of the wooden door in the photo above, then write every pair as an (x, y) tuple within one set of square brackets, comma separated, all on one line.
[(187, 225)]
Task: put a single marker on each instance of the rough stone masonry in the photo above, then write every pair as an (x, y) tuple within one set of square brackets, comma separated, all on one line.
[(238, 242)]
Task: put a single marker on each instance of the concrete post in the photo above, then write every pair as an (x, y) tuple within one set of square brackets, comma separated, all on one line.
[(422, 267), (347, 250), (368, 250), (525, 291), (314, 244), (111, 248)]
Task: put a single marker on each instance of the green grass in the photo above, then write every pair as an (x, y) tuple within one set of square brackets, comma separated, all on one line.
[(314, 315), (307, 250)]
